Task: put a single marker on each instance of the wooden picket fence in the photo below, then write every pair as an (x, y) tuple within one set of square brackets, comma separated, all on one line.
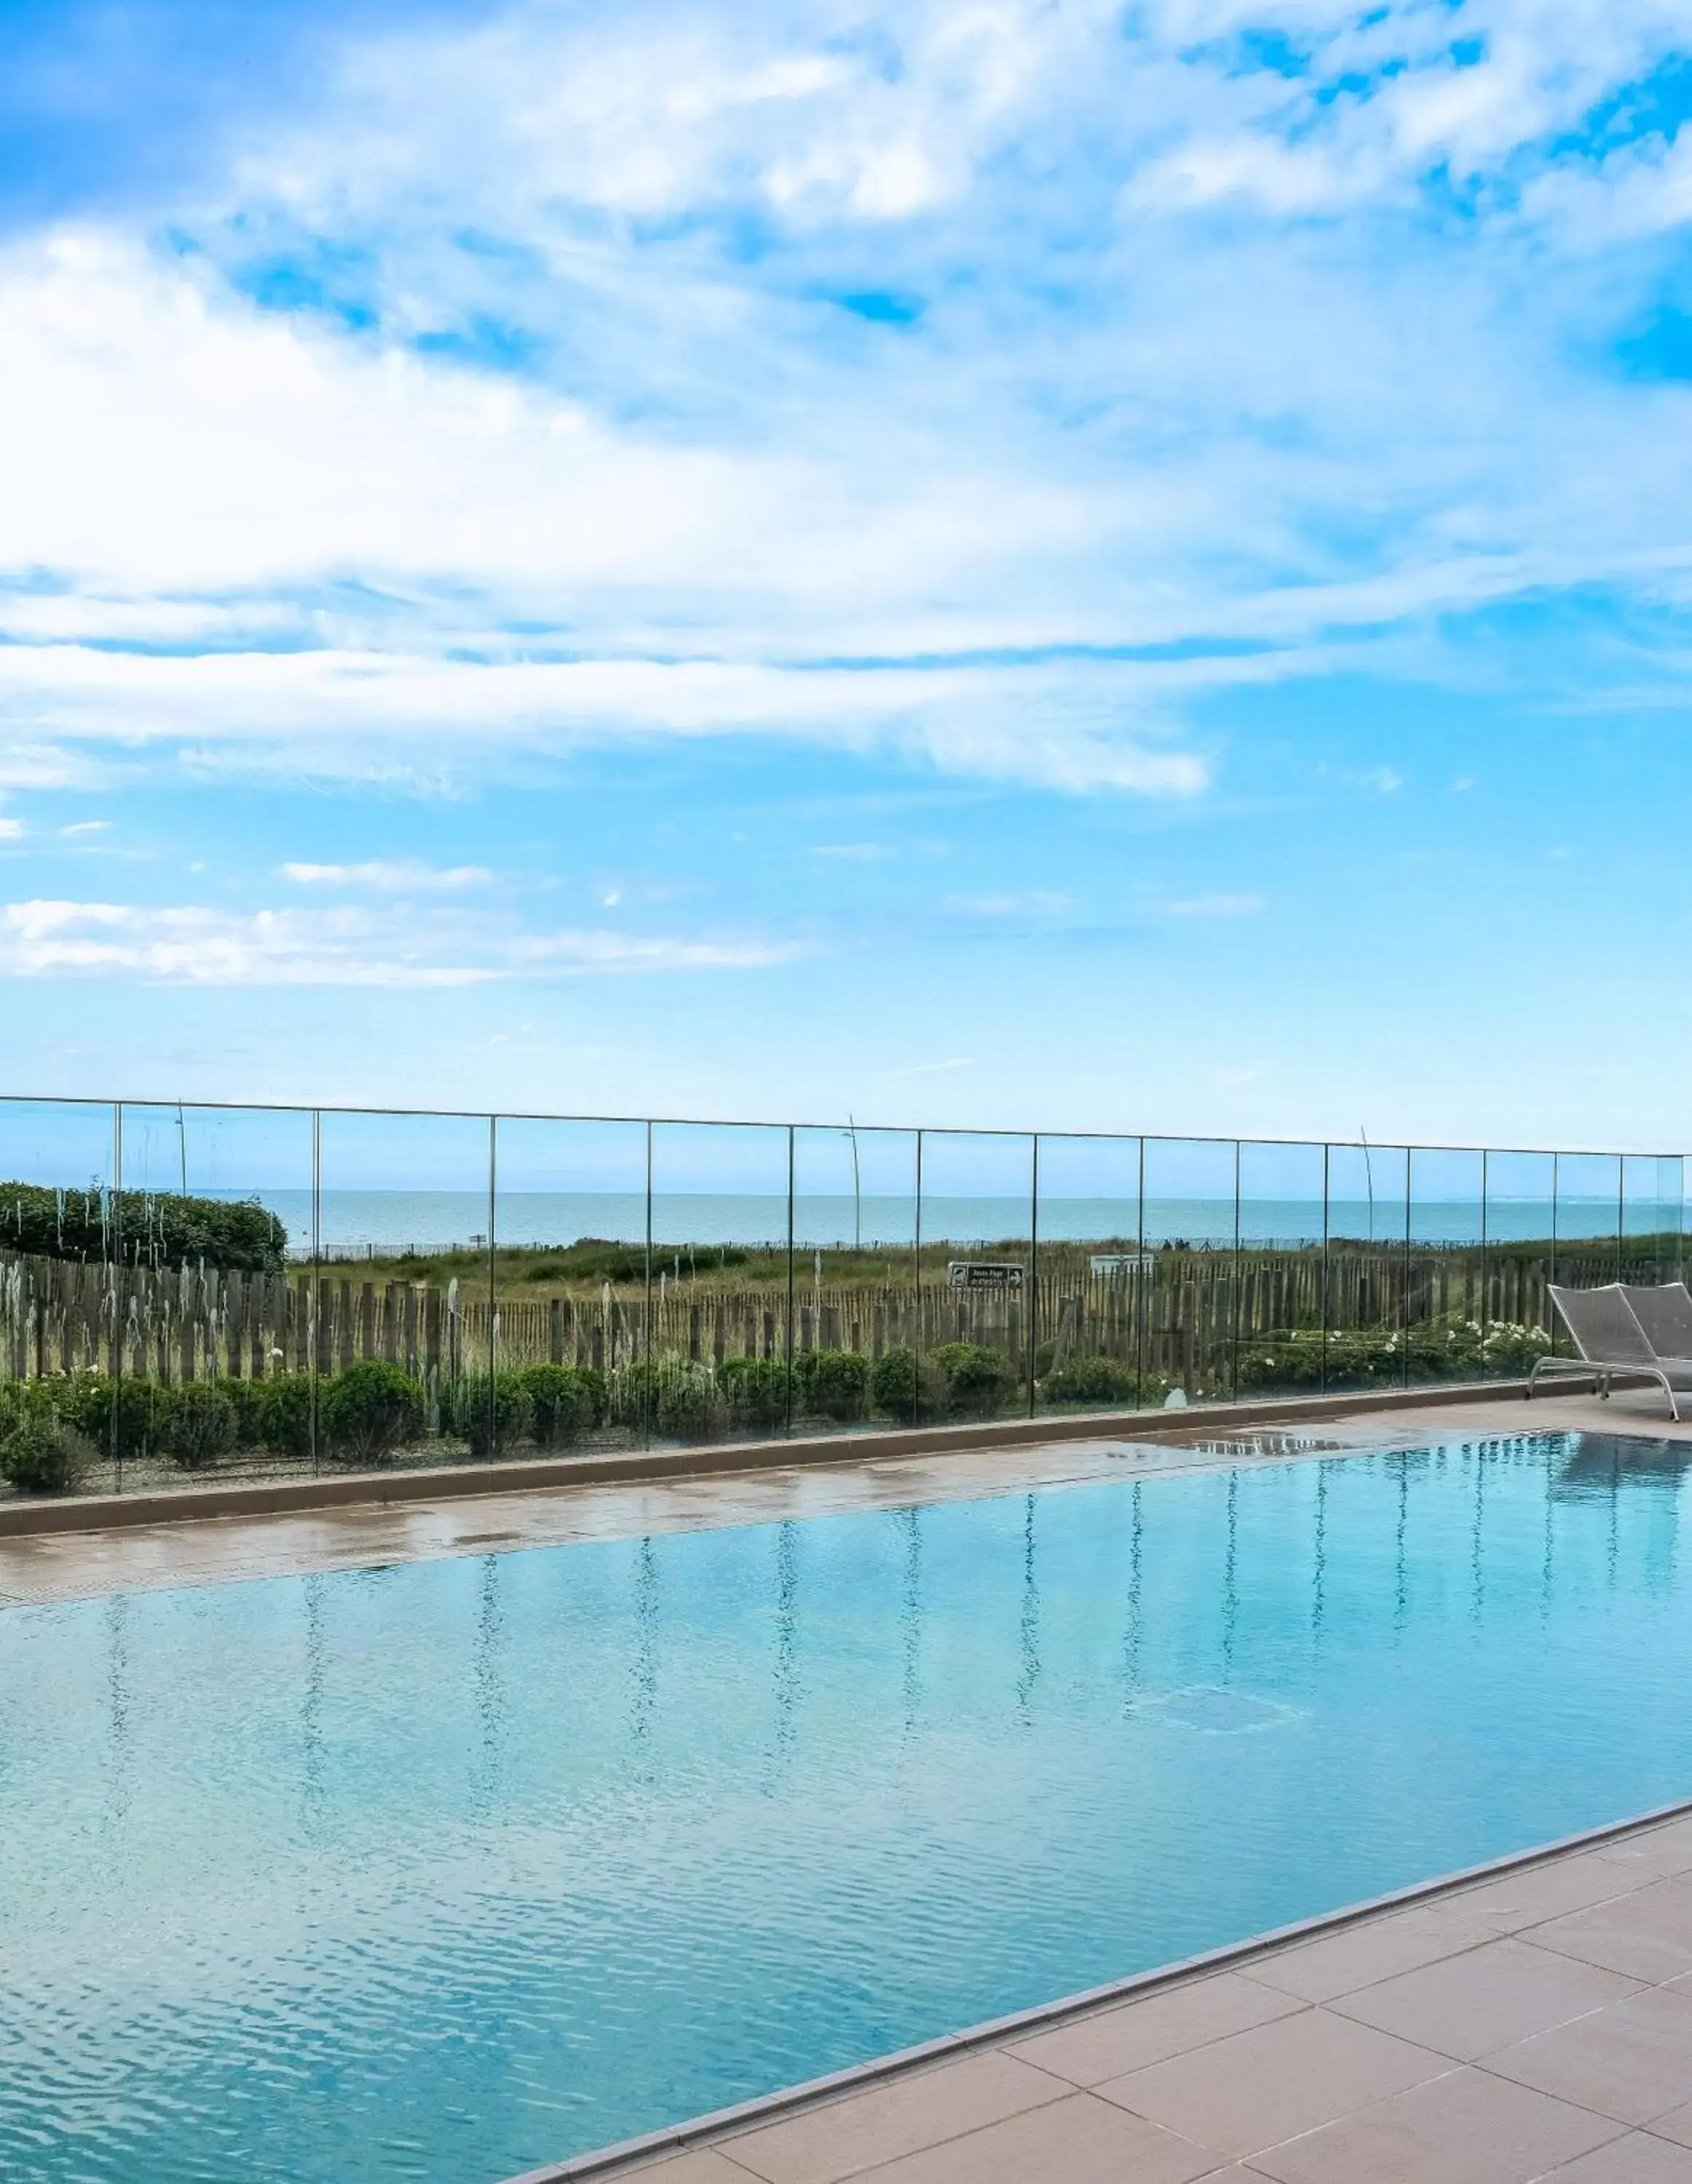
[(1180, 1314)]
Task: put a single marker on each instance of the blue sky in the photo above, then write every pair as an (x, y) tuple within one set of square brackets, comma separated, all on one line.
[(996, 560)]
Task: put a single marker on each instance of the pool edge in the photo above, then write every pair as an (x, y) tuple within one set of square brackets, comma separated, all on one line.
[(628, 2154), (459, 1482)]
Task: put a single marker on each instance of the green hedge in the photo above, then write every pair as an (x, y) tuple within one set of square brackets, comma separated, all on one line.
[(233, 1234)]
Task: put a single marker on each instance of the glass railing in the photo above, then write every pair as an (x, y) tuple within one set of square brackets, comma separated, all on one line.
[(197, 1291)]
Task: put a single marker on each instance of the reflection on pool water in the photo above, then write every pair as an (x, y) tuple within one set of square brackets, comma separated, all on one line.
[(443, 1871)]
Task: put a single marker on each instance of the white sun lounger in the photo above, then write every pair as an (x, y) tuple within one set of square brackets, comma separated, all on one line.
[(1664, 1311), (1612, 1344)]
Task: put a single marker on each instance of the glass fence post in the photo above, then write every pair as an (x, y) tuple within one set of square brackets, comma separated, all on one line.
[(314, 1364), (917, 1249), (1235, 1287), (646, 1364), (792, 1300), (1033, 1311), (1140, 1285), (492, 1291), (114, 1352), (1327, 1166)]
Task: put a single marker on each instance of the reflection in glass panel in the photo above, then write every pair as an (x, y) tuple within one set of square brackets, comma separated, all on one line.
[(855, 1279), (977, 1272), (1090, 1296), (405, 1280), (1368, 1216), (60, 1243), (1190, 1227), (1653, 1190), (715, 1312), (570, 1277), (1280, 1270), (1588, 1210), (216, 1290), (1521, 1222), (1445, 1275)]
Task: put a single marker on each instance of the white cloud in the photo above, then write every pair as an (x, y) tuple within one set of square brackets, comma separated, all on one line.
[(11, 830), (81, 827), (719, 504), (1036, 902), (190, 944), (1215, 905), (386, 876)]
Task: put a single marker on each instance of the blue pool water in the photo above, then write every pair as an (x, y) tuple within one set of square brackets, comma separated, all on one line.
[(440, 1872)]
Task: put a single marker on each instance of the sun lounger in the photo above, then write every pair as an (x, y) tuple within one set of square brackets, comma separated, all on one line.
[(1664, 1312), (1612, 1345)]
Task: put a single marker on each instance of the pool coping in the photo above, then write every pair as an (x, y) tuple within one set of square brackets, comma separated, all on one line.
[(22, 1519), (629, 2155)]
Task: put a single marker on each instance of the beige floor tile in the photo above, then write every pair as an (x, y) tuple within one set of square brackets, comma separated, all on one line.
[(1647, 1934), (1676, 2125), (1078, 2140), (1466, 2128), (702, 2166), (1262, 2086), (1139, 2033), (1632, 2061), (1470, 2005), (1541, 1892), (1660, 1852), (1379, 1948), (1638, 2159), (878, 2125)]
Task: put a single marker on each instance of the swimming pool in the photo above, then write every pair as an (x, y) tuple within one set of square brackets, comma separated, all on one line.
[(442, 1871)]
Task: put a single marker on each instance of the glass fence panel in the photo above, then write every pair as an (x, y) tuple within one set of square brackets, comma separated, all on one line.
[(977, 1272), (1589, 1219), (214, 1299), (855, 1281), (1444, 1267), (1190, 1223), (1368, 1265), (1520, 1223), (1653, 1216), (1093, 1272), (1280, 1273), (569, 1278), (716, 1304), (60, 1249), (405, 1280)]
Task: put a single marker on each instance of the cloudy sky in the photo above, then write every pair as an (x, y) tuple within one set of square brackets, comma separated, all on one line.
[(1004, 560)]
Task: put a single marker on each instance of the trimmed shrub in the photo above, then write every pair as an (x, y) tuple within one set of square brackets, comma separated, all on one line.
[(833, 1382), (123, 1418), (195, 1424), (1092, 1380), (755, 1389), (564, 1401), (680, 1398), (46, 1456), (244, 1400), (977, 1378), (106, 1225), (281, 1413), (896, 1384), (368, 1409), (491, 1411)]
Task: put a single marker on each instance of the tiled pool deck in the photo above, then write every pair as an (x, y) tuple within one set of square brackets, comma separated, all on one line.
[(74, 1565), (1535, 2024)]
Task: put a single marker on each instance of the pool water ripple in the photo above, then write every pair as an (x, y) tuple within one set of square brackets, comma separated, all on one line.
[(443, 1870)]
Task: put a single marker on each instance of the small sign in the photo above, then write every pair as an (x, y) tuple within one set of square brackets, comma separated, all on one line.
[(983, 1274), (1116, 1266)]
